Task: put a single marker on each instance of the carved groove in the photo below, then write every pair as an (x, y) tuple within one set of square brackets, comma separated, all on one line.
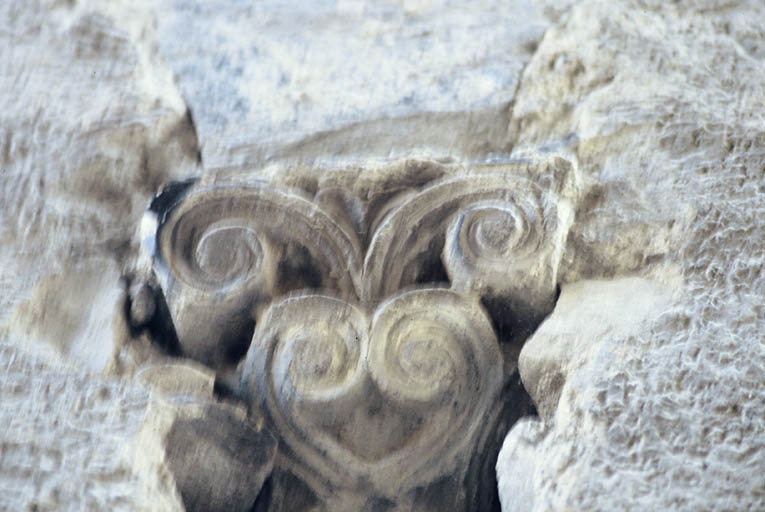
[(224, 237)]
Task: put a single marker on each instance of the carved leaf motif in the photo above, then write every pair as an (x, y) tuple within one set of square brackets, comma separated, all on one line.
[(396, 400)]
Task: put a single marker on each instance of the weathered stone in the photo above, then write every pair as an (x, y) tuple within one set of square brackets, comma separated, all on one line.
[(179, 381), (516, 466), (143, 304), (68, 439), (53, 314), (587, 315), (382, 387), (378, 409), (219, 460), (223, 251), (656, 105), (672, 141), (348, 80)]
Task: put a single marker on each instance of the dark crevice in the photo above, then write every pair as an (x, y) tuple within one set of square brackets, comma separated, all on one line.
[(514, 404), (430, 267), (265, 495), (193, 126), (240, 343), (298, 270), (169, 196), (512, 322), (432, 271), (224, 391), (162, 330), (284, 491)]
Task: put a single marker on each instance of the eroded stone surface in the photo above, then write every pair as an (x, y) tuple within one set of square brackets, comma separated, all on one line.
[(378, 408), (219, 460), (661, 103), (225, 249), (587, 316), (68, 439), (178, 381), (348, 79), (54, 319)]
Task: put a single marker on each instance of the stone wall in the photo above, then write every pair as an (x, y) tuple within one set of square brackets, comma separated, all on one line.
[(623, 144)]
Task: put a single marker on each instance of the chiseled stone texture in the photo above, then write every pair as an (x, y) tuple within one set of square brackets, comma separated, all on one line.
[(94, 119), (587, 315), (68, 440), (662, 104), (90, 125), (53, 315)]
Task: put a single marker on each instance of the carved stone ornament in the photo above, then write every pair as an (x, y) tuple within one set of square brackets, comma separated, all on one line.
[(369, 313)]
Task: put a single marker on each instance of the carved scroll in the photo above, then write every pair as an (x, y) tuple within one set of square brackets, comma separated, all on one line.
[(493, 233), (396, 400), (224, 250)]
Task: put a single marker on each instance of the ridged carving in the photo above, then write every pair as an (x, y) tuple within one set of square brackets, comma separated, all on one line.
[(396, 398)]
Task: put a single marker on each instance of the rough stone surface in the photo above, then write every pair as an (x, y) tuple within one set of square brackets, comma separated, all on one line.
[(178, 381), (662, 103), (350, 79), (389, 305), (69, 440), (587, 316), (53, 316), (657, 105), (219, 460)]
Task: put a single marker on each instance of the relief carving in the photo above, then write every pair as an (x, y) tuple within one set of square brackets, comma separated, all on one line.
[(497, 232), (372, 312), (229, 250)]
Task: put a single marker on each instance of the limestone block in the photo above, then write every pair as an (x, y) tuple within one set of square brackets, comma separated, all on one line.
[(658, 103), (178, 381), (67, 440), (348, 79), (587, 314), (219, 461), (516, 466), (77, 312), (78, 168), (672, 142), (378, 306)]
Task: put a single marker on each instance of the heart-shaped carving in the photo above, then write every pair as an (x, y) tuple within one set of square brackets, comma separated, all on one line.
[(394, 399)]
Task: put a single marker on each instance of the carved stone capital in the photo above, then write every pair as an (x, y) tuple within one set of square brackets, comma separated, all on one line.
[(372, 308)]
